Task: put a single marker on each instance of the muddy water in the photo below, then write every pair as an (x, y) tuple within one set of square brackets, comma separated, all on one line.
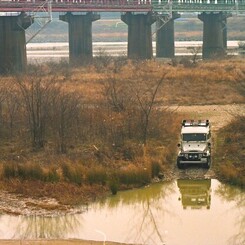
[(179, 212)]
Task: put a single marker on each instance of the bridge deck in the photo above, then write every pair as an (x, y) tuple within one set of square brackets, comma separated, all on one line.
[(159, 6)]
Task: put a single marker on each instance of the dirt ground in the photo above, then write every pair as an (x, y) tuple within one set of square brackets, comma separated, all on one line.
[(218, 115)]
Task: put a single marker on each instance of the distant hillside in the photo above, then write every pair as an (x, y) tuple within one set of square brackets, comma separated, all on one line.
[(111, 28)]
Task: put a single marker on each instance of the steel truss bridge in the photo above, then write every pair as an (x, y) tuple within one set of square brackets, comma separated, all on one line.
[(41, 10), (155, 6)]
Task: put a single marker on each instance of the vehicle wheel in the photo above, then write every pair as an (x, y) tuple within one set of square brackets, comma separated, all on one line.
[(208, 164), (179, 165)]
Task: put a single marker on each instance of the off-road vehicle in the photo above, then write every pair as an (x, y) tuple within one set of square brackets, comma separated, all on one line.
[(195, 145)]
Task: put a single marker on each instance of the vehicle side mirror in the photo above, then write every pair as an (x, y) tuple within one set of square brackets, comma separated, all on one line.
[(209, 144), (178, 145)]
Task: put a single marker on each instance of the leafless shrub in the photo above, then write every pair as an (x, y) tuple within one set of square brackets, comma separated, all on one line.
[(35, 92), (117, 93), (12, 107), (50, 112), (102, 60), (64, 115), (195, 52), (241, 45), (186, 62)]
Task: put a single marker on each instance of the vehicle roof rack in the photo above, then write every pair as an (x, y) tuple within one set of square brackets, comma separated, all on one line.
[(190, 123)]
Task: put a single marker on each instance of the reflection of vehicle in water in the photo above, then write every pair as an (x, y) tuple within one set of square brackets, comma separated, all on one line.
[(195, 193)]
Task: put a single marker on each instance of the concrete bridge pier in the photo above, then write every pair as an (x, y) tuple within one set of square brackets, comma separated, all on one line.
[(13, 42), (224, 24), (165, 36), (213, 34), (139, 35), (80, 36)]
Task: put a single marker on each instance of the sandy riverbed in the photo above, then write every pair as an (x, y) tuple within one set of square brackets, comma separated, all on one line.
[(57, 242)]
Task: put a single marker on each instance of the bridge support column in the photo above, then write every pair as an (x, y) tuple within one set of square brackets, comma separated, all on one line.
[(213, 34), (80, 36), (13, 43), (165, 36), (139, 35), (224, 26)]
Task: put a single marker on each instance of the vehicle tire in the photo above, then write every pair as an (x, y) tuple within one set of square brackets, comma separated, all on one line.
[(208, 164), (179, 165)]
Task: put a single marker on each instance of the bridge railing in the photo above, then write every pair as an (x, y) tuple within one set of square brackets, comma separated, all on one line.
[(79, 5), (198, 5), (134, 2), (98, 2), (197, 1), (127, 5)]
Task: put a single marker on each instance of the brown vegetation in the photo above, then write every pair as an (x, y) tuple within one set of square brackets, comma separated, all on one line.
[(230, 153), (107, 125)]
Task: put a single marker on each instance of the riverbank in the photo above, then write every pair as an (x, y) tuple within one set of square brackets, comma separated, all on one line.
[(95, 146), (42, 198)]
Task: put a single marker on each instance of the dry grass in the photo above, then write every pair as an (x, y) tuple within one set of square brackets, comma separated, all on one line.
[(212, 82), (230, 152)]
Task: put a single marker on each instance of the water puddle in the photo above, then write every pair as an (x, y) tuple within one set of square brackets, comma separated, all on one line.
[(180, 212)]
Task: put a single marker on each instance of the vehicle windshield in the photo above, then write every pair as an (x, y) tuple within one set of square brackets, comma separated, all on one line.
[(194, 137)]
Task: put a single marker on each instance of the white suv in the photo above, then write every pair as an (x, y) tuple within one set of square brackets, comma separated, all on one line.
[(195, 145)]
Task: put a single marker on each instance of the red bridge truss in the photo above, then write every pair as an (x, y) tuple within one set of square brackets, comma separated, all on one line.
[(76, 5)]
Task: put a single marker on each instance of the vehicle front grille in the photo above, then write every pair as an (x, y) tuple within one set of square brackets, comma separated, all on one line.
[(194, 156)]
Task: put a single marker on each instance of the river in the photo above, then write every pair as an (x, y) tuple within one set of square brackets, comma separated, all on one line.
[(201, 211), (40, 52)]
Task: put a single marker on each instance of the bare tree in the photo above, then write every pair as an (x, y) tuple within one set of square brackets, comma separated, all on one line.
[(118, 93), (114, 94), (146, 99), (66, 109), (12, 104), (195, 52), (35, 94)]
